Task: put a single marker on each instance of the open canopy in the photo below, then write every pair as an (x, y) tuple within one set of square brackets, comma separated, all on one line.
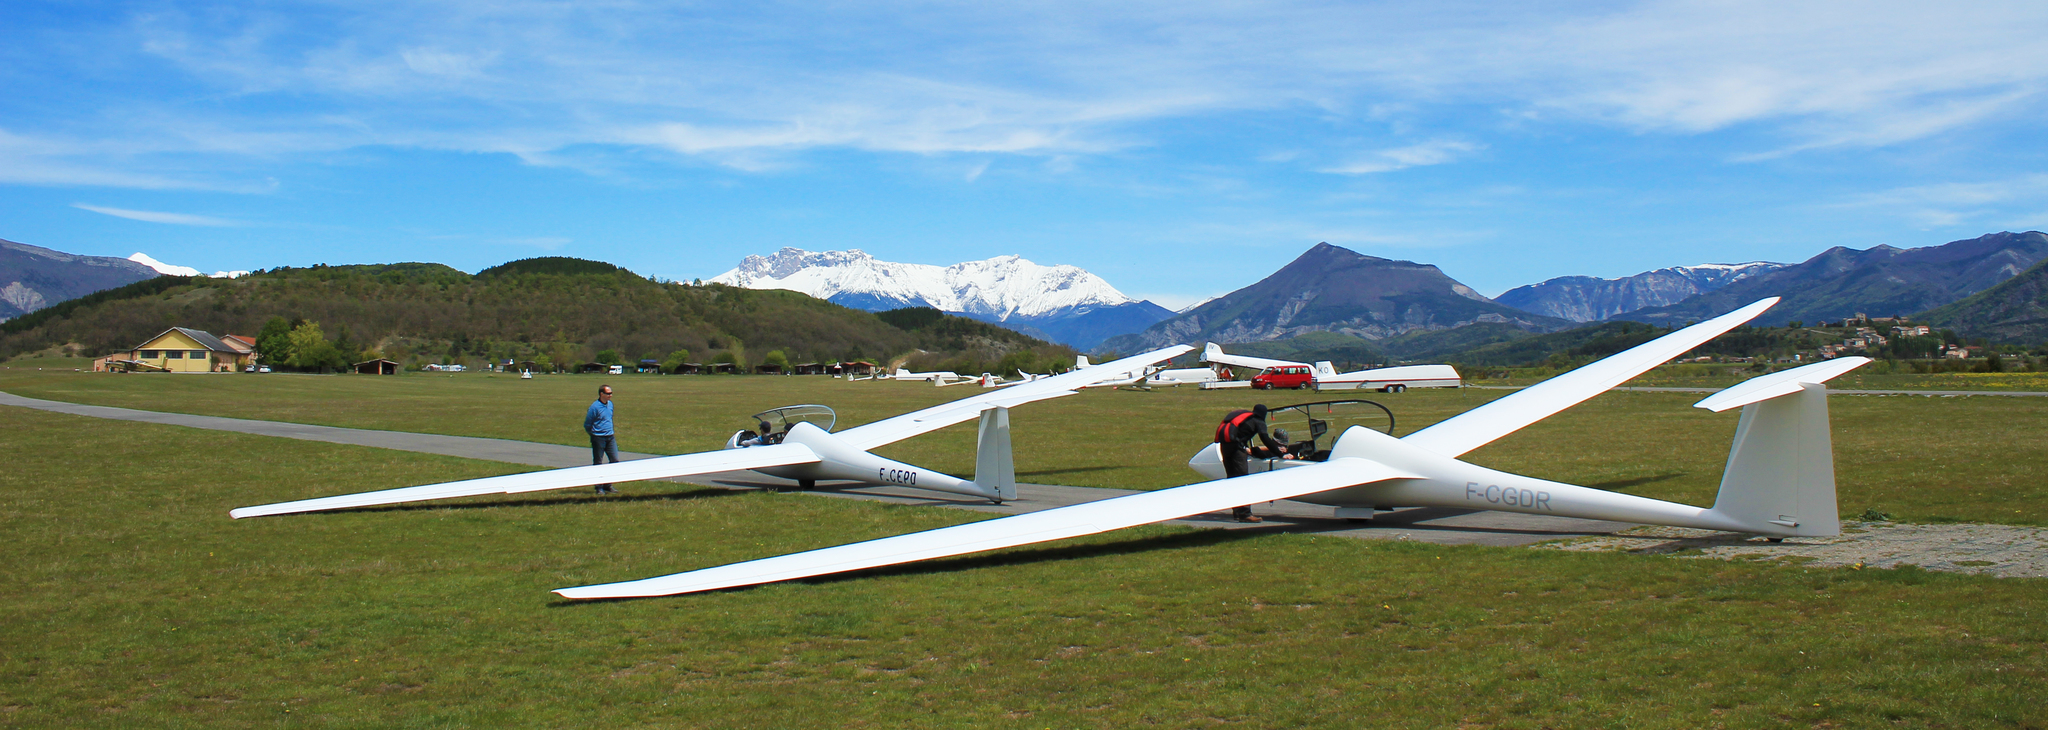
[(780, 420), (1317, 425)]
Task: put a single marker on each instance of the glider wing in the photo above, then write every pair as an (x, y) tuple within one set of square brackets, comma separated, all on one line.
[(891, 430), (1052, 524), (1214, 354), (582, 476), (1480, 426)]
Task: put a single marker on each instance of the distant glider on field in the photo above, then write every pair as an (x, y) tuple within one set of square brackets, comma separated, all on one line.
[(796, 447), (1779, 480), (1324, 376)]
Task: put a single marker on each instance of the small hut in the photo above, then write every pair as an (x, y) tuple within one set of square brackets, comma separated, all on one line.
[(379, 366)]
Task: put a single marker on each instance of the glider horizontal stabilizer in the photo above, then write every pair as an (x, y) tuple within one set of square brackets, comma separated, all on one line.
[(1052, 524), (626, 471)]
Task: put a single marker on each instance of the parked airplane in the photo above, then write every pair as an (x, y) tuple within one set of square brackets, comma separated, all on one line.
[(1779, 481), (1324, 376), (801, 447)]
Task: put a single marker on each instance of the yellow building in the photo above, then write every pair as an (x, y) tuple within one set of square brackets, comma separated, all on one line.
[(181, 350)]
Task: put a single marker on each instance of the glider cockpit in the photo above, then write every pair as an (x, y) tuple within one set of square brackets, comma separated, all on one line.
[(768, 427), (1310, 429)]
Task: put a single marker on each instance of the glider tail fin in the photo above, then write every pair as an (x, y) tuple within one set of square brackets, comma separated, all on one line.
[(1780, 478), (993, 468)]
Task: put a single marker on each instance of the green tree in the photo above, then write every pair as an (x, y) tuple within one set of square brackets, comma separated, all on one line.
[(675, 359), (776, 358), (346, 350), (311, 350), (611, 357), (273, 343)]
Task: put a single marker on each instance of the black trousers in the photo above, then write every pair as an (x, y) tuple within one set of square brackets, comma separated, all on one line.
[(1236, 463)]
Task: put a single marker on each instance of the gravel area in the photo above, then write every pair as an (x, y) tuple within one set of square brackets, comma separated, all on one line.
[(1995, 550)]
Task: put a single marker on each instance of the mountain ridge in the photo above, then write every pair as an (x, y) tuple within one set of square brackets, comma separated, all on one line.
[(1334, 289), (1062, 303), (1592, 299), (33, 277), (1879, 281)]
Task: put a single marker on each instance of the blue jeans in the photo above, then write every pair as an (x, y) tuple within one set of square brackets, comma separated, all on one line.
[(600, 448)]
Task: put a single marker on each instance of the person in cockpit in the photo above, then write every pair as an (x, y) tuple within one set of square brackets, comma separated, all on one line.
[(764, 437)]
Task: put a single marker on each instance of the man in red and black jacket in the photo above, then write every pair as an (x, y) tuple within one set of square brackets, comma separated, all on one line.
[(1234, 439)]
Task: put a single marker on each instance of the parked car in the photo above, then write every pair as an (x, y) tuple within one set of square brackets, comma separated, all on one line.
[(1284, 376)]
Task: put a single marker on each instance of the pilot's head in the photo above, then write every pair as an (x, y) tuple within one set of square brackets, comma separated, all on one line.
[(1280, 435), (765, 428)]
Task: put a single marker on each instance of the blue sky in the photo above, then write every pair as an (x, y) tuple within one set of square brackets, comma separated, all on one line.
[(1179, 149)]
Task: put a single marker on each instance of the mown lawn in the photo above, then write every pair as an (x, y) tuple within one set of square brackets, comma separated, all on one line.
[(134, 601), (1922, 459)]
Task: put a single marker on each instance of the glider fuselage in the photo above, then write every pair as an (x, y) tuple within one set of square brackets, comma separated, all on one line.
[(1448, 482)]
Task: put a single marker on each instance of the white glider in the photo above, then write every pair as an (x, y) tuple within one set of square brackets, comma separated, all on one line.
[(803, 451), (1324, 376), (1779, 479)]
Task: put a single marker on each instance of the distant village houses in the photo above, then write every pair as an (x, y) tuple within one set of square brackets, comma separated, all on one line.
[(182, 350)]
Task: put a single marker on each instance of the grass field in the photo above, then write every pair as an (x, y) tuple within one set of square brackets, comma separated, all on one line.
[(1964, 459), (134, 601)]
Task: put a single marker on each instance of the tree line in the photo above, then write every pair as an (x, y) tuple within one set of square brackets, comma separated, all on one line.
[(555, 310)]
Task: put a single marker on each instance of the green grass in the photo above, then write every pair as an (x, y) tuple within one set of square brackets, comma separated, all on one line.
[(134, 601), (1975, 459)]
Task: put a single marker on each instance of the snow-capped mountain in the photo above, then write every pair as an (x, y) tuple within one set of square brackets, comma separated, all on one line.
[(1590, 299), (1060, 303), (176, 270)]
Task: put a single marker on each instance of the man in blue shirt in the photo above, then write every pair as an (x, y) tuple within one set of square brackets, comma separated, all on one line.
[(598, 423)]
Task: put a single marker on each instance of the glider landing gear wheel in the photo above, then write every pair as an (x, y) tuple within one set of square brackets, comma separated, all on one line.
[(806, 484), (1775, 539)]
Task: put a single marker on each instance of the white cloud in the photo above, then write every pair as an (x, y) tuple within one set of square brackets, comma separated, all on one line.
[(150, 216)]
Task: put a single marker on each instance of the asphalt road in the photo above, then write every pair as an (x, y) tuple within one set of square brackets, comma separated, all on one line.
[(1434, 525)]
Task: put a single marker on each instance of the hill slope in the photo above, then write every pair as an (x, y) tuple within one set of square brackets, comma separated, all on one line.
[(2014, 312)]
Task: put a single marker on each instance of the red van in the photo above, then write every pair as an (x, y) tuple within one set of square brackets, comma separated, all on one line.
[(1285, 376)]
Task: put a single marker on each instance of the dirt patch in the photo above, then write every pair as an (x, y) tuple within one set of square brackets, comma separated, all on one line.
[(1997, 550)]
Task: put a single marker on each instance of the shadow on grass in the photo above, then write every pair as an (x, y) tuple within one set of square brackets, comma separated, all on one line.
[(1623, 484), (583, 498), (1023, 555), (1071, 470)]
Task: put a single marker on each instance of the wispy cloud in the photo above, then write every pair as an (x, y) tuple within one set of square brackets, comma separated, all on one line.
[(545, 243), (747, 88), (1399, 158), (151, 216), (1956, 203)]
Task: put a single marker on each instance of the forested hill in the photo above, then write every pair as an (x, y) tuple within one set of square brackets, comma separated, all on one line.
[(562, 310)]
